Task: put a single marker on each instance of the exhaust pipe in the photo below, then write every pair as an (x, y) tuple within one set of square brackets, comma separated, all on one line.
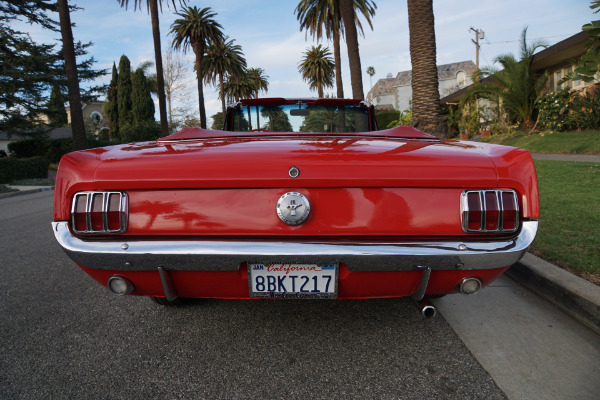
[(427, 310)]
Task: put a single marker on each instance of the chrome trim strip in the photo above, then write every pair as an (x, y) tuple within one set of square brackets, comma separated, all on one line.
[(201, 255)]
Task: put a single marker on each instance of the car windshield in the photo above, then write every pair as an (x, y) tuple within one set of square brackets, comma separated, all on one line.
[(301, 117)]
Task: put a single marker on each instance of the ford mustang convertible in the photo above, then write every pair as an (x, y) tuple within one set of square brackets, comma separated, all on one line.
[(296, 198)]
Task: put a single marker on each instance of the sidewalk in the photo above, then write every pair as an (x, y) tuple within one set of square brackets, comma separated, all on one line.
[(25, 190), (574, 295), (566, 157)]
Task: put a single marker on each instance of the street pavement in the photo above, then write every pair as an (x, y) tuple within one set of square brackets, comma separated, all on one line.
[(65, 336), (79, 341)]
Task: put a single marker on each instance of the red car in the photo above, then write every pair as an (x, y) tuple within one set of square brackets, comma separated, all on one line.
[(296, 198)]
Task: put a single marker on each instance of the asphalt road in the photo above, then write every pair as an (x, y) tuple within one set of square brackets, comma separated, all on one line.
[(64, 336)]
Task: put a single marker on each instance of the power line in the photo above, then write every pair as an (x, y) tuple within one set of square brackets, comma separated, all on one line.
[(537, 38)]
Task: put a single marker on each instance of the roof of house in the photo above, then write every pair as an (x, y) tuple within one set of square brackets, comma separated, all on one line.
[(386, 86), (571, 47), (56, 133)]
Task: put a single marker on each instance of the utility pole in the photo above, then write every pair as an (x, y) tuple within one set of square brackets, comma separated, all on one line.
[(479, 34)]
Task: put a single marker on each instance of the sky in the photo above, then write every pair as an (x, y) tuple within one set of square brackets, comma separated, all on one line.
[(269, 34)]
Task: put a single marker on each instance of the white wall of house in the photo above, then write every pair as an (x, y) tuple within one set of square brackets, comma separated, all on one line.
[(385, 99), (402, 96), (4, 145)]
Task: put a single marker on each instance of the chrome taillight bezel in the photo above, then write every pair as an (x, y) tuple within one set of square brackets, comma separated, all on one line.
[(123, 204), (500, 201)]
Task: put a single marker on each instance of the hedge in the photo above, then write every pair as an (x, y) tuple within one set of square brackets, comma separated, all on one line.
[(385, 117), (51, 149), (12, 169)]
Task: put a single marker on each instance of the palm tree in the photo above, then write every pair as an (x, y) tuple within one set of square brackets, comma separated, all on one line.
[(77, 124), (349, 18), (371, 72), (152, 7), (238, 87), (258, 80), (196, 29), (223, 58), (426, 108), (323, 18), (516, 85), (317, 67)]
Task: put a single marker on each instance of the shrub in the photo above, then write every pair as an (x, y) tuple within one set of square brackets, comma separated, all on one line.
[(403, 119), (12, 169), (553, 110), (56, 148), (586, 110), (27, 148), (140, 132), (384, 118)]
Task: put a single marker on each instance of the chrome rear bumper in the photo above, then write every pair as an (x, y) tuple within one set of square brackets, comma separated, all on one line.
[(206, 255)]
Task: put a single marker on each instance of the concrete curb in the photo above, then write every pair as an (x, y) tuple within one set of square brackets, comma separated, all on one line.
[(574, 295), (22, 192)]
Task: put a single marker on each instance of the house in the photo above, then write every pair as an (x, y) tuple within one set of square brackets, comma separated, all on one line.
[(552, 60), (92, 112), (56, 133), (396, 92)]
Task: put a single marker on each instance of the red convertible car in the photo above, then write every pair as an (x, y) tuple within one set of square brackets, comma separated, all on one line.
[(296, 198)]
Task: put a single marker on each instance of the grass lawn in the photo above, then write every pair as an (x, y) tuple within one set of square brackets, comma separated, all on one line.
[(569, 230), (558, 142)]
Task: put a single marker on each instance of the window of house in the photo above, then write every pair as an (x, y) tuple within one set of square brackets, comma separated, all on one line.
[(576, 82), (558, 78), (460, 78), (96, 117)]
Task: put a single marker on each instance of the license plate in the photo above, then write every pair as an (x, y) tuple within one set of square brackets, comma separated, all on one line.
[(276, 280)]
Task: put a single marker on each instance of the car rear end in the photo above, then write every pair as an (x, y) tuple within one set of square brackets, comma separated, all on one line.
[(372, 216)]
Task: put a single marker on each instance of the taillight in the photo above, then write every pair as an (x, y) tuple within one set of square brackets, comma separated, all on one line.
[(489, 211), (99, 212)]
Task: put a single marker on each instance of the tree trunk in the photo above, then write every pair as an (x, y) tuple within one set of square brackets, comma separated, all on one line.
[(222, 93), (339, 84), (199, 51), (160, 81), (77, 125), (426, 108), (319, 88), (352, 44)]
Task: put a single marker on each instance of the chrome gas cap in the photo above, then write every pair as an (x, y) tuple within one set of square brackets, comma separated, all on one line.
[(293, 208)]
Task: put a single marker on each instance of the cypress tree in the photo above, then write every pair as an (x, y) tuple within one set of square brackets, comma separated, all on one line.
[(56, 108), (124, 92), (110, 107), (142, 103)]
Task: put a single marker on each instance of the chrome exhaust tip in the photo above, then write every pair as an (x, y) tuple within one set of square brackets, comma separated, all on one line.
[(427, 309)]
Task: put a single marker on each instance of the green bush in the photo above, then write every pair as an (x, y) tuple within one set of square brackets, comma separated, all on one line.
[(12, 169), (51, 149), (403, 120), (384, 118), (586, 110), (56, 148), (140, 132), (27, 148), (552, 108)]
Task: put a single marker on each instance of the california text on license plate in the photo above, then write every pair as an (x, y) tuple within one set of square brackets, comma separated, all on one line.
[(293, 280)]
